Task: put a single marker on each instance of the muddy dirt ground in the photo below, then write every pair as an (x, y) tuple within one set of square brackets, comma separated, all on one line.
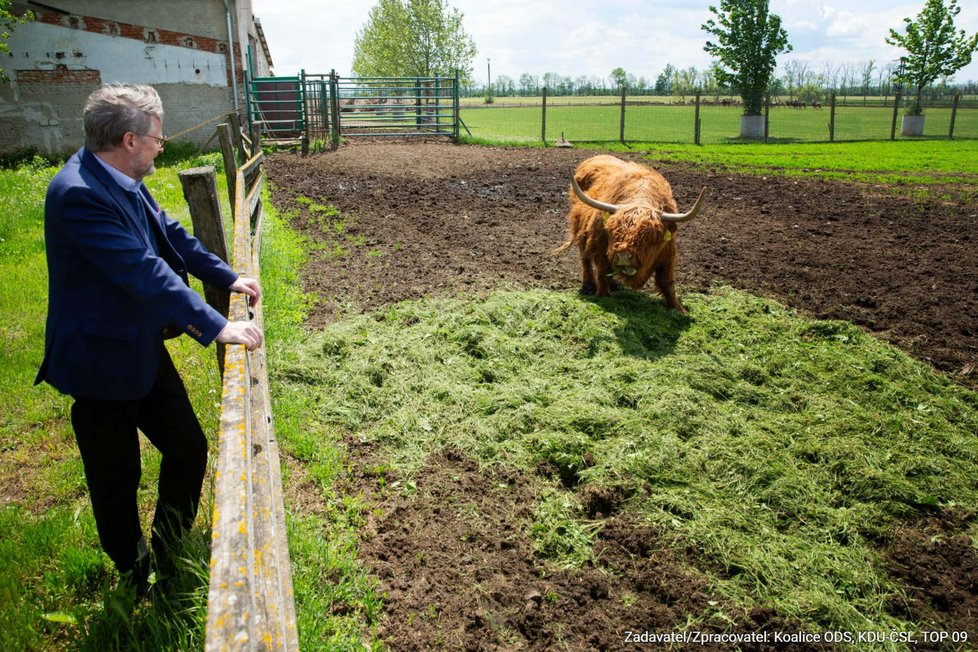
[(434, 218)]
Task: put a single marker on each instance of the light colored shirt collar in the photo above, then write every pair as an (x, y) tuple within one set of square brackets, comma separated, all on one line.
[(124, 180)]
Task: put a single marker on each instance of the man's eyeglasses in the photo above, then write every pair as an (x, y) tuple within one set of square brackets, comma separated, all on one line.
[(161, 141)]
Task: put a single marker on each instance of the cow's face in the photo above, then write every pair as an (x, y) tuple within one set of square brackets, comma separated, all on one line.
[(636, 239)]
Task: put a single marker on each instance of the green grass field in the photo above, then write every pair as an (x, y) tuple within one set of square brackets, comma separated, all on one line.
[(602, 123), (779, 446), (54, 578)]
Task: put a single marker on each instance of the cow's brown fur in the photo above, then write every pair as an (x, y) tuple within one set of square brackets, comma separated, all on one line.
[(634, 233)]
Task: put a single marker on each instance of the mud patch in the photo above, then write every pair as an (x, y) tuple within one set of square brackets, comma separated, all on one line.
[(938, 568), (458, 570)]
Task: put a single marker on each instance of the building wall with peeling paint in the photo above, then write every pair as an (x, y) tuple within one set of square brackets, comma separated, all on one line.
[(181, 47)]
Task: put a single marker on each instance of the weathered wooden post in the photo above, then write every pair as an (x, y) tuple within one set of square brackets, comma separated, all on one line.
[(200, 191), (230, 163), (235, 123), (697, 133)]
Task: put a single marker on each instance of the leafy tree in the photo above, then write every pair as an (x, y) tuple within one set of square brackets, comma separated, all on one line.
[(749, 39), (619, 77), (866, 76), (709, 81), (505, 85), (811, 93), (933, 48), (529, 84), (8, 22), (683, 82), (663, 83), (413, 38)]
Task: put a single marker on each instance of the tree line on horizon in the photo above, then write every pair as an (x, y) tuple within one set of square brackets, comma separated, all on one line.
[(798, 80), (426, 38)]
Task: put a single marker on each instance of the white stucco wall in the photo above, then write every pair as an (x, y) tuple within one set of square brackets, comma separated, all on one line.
[(123, 60), (192, 83)]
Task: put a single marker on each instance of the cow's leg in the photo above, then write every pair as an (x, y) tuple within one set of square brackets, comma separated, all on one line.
[(588, 286), (665, 280), (602, 276), (669, 293)]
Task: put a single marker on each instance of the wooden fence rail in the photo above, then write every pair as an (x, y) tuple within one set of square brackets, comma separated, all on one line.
[(250, 602)]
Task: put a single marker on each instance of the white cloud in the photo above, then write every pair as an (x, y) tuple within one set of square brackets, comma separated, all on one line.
[(591, 37)]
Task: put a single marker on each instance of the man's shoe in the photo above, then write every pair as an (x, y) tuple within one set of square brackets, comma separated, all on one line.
[(135, 580)]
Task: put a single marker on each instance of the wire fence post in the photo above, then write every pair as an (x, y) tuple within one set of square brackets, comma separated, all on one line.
[(621, 128), (896, 110), (832, 118), (543, 127), (334, 107), (767, 117), (456, 115), (303, 109), (954, 113), (696, 121)]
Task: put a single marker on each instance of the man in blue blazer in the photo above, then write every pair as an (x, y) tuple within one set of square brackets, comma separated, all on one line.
[(117, 284)]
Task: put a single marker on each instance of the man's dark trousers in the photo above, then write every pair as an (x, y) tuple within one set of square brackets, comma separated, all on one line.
[(109, 445)]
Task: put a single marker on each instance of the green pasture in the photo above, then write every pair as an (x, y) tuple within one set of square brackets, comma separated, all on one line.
[(786, 450), (925, 170), (537, 100), (718, 124)]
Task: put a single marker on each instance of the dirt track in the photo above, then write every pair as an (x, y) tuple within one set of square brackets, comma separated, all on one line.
[(439, 219)]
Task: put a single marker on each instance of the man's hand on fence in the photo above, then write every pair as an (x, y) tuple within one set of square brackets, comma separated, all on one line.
[(248, 286), (242, 332)]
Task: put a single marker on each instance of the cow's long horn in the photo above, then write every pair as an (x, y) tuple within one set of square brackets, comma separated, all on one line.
[(593, 203), (685, 217)]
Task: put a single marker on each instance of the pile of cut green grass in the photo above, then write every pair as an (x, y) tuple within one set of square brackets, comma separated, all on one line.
[(784, 449)]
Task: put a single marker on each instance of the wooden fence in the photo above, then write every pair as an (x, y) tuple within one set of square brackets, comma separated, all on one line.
[(250, 602)]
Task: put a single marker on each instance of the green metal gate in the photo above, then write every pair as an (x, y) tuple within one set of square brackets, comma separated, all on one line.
[(328, 107), (398, 106), (275, 105)]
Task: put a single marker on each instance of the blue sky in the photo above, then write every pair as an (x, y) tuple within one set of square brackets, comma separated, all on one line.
[(592, 37)]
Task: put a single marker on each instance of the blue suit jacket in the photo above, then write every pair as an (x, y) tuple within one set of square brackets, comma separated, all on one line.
[(110, 297)]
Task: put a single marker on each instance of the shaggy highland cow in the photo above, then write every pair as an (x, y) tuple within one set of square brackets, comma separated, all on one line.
[(623, 219)]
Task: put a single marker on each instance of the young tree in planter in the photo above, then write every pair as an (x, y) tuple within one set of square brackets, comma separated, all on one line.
[(933, 48), (749, 39)]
